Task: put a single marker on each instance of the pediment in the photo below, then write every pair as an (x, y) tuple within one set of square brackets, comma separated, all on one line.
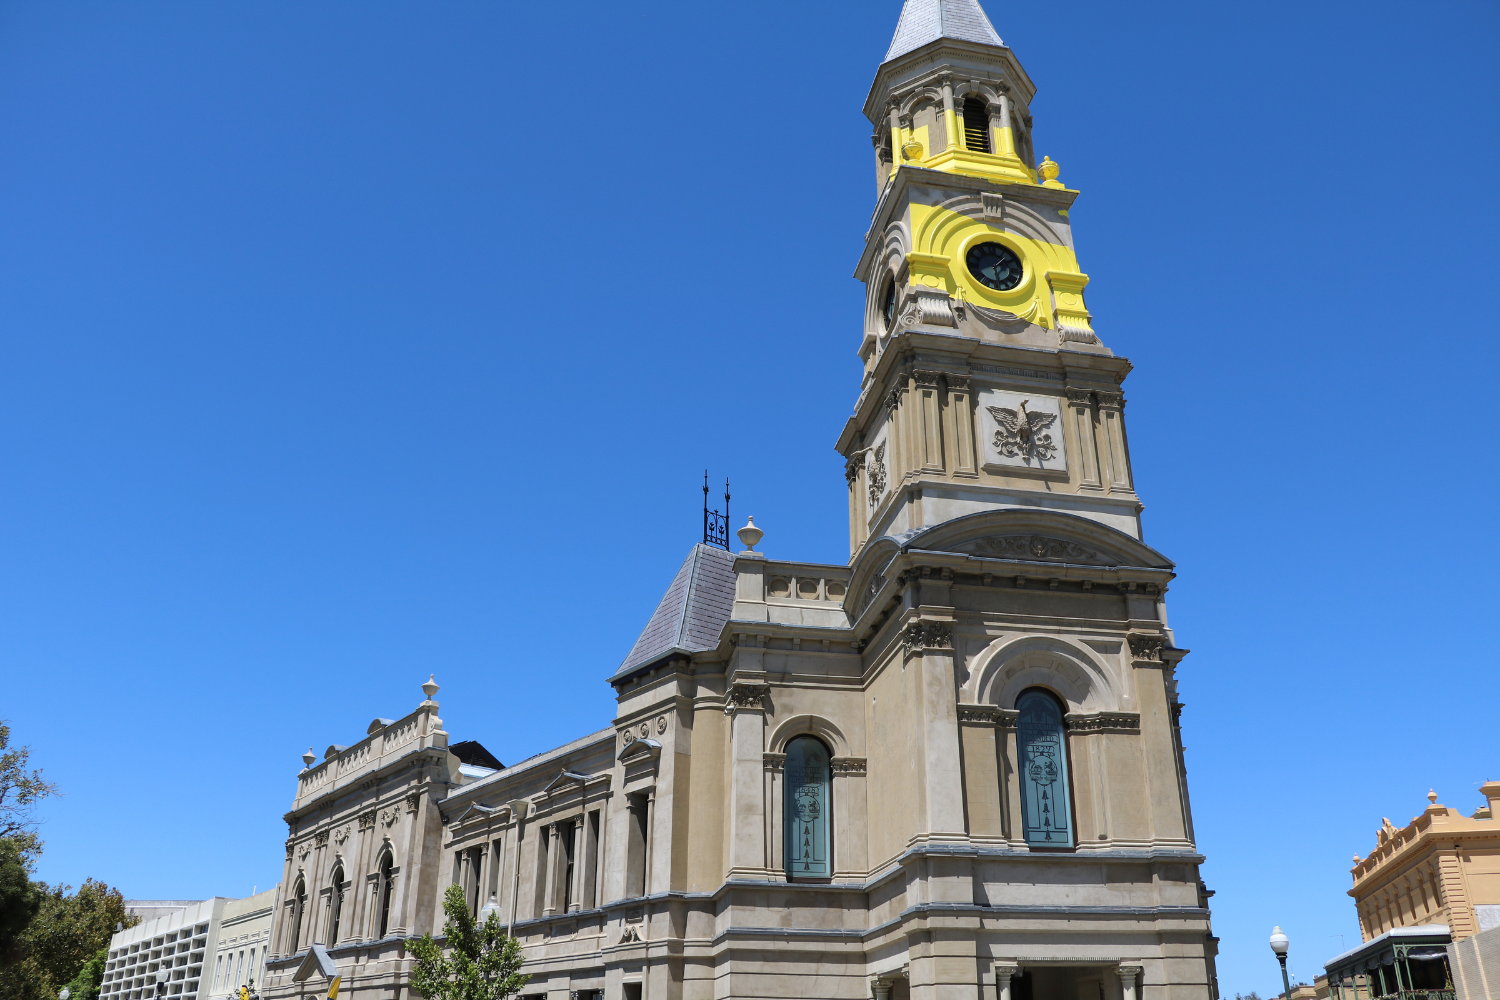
[(1036, 535), (564, 779)]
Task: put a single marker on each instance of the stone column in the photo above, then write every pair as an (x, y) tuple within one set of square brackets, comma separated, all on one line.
[(549, 893), (1004, 973), (932, 426), (1003, 139), (960, 405), (1129, 976), (580, 864), (1082, 403), (1112, 416), (930, 643), (744, 703), (950, 117)]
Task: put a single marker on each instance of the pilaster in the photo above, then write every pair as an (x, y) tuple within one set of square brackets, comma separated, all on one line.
[(744, 703)]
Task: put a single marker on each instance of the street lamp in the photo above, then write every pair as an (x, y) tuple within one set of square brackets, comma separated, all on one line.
[(1279, 945)]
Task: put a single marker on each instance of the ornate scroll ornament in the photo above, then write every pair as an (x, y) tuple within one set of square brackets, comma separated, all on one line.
[(367, 819), (1144, 646), (927, 635), (304, 850), (321, 838), (629, 935), (1022, 434), (389, 815), (1006, 322), (1038, 547), (875, 473), (341, 835), (1103, 722), (627, 735), (745, 696)]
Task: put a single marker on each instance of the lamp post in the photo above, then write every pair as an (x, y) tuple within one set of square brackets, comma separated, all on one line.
[(1279, 945)]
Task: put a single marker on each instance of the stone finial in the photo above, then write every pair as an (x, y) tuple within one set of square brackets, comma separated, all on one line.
[(1356, 859), (1432, 796), (750, 535), (1049, 171), (309, 757), (911, 149), (431, 687)]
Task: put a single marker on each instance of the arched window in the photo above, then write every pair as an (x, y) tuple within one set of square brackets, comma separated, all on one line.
[(299, 905), (1045, 809), (976, 125), (383, 901), (888, 302), (336, 906), (807, 810)]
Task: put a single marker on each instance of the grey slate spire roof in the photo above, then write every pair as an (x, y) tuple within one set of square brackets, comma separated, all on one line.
[(691, 614), (923, 21)]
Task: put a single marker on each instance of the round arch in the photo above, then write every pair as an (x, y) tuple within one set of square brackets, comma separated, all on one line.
[(1063, 666), (809, 725)]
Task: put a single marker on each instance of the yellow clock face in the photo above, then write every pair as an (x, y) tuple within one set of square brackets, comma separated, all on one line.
[(994, 266)]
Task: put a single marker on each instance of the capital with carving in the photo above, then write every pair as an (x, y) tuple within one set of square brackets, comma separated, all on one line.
[(1080, 397), (741, 695), (1111, 400), (923, 635)]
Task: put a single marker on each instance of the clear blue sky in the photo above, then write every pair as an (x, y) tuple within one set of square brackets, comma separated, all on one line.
[(344, 343)]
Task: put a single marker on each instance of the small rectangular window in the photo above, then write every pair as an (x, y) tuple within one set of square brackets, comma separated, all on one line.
[(976, 126)]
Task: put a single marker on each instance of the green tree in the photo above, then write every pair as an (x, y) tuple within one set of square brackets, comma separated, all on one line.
[(481, 963), (68, 930), (20, 791), (19, 900), (85, 985)]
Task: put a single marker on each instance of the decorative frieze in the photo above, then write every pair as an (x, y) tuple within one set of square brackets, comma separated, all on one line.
[(1103, 722), (1040, 547), (848, 765)]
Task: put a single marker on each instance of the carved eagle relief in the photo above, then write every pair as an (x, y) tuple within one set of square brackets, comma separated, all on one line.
[(1022, 434)]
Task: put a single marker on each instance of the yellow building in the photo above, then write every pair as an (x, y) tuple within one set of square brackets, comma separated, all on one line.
[(1441, 868)]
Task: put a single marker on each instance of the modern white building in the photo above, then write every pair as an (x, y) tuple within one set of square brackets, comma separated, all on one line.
[(198, 948)]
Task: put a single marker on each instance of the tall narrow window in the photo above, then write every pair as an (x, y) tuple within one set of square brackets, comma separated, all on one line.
[(1044, 771), (299, 904), (807, 810), (383, 903), (336, 906), (635, 858), (976, 126), (569, 831)]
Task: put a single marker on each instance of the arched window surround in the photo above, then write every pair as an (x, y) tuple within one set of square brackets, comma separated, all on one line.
[(336, 904), (385, 878), (1048, 818), (807, 810), (298, 909)]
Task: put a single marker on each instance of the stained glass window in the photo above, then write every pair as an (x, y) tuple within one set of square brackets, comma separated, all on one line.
[(807, 809), (1045, 802)]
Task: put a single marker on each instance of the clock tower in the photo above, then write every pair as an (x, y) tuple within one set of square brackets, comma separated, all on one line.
[(985, 385)]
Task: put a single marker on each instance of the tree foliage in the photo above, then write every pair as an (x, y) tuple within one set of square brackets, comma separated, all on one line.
[(20, 791), (482, 962), (85, 985), (19, 900), (68, 930)]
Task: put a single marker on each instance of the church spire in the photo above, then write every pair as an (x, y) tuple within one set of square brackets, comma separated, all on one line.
[(924, 21)]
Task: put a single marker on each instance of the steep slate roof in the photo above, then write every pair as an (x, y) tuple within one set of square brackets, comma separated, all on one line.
[(923, 21), (691, 614)]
